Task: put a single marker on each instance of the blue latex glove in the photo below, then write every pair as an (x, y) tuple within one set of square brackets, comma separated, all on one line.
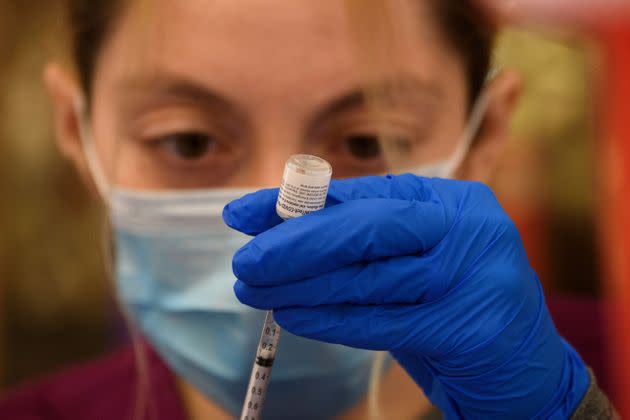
[(431, 270)]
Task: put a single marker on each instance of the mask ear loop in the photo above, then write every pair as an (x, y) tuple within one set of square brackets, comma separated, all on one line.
[(102, 186), (470, 133), (472, 128)]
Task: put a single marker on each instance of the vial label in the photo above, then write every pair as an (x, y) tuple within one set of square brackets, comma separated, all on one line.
[(301, 194)]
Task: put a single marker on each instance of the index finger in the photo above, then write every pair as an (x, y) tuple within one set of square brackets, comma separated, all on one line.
[(255, 213), (355, 231)]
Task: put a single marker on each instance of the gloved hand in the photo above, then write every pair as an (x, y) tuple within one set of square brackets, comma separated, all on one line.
[(431, 270)]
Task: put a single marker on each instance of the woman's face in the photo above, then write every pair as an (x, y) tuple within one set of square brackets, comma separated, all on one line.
[(198, 93)]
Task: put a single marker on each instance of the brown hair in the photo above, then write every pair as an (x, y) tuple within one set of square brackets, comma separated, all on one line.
[(463, 25), (472, 36), (91, 21)]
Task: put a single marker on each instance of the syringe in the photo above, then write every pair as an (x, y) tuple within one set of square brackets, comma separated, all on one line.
[(303, 190)]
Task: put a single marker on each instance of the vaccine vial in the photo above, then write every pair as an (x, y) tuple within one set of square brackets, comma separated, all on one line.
[(304, 186)]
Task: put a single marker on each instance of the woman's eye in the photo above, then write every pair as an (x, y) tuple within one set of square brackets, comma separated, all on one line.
[(364, 147), (189, 146)]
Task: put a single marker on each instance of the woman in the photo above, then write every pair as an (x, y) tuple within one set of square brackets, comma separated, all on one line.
[(183, 107)]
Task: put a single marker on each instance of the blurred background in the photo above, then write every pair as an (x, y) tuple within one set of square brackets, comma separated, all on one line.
[(56, 305)]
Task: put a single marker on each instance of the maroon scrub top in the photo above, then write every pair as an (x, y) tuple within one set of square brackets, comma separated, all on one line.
[(106, 389)]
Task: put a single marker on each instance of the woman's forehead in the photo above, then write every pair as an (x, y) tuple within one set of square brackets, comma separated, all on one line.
[(225, 31), (301, 48)]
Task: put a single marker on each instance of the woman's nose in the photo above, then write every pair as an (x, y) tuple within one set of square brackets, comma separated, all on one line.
[(267, 173)]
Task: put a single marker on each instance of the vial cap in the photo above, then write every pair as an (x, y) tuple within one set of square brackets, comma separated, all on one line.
[(310, 165)]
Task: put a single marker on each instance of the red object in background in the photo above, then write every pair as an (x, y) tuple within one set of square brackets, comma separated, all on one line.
[(609, 22), (534, 229), (614, 202)]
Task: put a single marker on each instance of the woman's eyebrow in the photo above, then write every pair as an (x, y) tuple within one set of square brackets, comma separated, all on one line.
[(400, 91), (154, 91)]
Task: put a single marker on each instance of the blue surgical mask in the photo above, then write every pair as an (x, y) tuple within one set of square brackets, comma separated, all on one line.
[(173, 266), (433, 170)]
